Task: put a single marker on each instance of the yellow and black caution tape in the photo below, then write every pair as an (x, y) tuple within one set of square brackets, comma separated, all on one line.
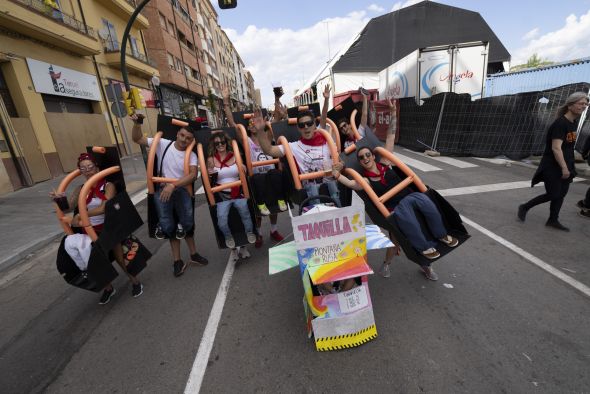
[(346, 341)]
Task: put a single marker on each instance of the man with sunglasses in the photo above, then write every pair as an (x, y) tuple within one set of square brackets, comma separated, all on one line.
[(174, 198), (311, 152)]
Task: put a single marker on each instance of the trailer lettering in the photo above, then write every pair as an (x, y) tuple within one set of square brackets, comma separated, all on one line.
[(324, 229)]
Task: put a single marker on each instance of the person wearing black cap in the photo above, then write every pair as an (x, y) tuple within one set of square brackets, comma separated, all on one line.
[(557, 168), (311, 152)]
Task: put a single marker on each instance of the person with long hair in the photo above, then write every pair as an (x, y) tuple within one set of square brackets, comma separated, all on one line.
[(222, 162), (78, 246), (556, 169)]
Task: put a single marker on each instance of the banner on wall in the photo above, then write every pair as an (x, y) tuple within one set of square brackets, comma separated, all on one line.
[(61, 81)]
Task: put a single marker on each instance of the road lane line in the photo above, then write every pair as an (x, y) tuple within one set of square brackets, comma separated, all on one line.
[(139, 196), (447, 160), (492, 187), (527, 256), (417, 164), (193, 385)]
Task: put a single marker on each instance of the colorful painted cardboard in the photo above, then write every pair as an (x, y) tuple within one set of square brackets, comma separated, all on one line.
[(331, 247)]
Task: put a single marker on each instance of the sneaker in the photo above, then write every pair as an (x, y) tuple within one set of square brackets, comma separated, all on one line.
[(429, 273), (521, 214), (229, 242), (159, 234), (180, 234), (198, 259), (243, 253), (137, 290), (251, 237), (258, 242), (179, 267), (585, 213), (557, 225), (276, 236), (580, 204), (431, 254), (233, 255), (106, 296), (450, 241), (263, 210), (384, 271), (282, 205)]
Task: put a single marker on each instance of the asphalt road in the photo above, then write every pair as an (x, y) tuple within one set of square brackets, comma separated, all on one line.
[(494, 322)]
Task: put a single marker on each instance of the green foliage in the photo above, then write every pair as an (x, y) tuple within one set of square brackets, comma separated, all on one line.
[(534, 61)]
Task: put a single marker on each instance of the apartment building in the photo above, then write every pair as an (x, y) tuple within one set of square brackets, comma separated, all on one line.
[(175, 45), (250, 94)]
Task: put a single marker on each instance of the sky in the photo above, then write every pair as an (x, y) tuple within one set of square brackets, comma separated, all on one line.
[(287, 42)]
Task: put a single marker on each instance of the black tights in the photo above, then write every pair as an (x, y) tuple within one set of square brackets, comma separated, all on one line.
[(555, 191), (273, 178)]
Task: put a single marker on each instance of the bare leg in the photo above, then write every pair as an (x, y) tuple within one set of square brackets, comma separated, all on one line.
[(175, 246), (190, 242)]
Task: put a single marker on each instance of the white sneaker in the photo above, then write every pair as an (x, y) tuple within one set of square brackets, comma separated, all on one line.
[(229, 242), (243, 252), (282, 205), (233, 255), (384, 271), (263, 209), (251, 238)]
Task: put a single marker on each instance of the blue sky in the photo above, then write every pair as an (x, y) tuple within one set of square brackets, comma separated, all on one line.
[(260, 28)]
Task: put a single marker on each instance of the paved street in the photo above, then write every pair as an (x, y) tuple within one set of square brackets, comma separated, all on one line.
[(510, 312)]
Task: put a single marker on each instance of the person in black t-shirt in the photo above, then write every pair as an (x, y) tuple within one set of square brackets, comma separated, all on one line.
[(557, 168), (584, 204)]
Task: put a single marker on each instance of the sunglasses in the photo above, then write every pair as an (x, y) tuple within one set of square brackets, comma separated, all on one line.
[(343, 125), (365, 156), (302, 125), (88, 168), (219, 143)]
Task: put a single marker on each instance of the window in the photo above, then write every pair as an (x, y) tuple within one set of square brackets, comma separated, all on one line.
[(162, 21), (170, 60), (111, 42), (178, 65), (196, 74), (171, 29), (134, 47)]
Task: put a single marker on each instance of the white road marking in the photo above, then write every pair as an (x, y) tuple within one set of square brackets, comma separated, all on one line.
[(494, 161), (200, 191), (139, 196), (193, 385), (447, 160), (417, 164), (492, 187), (527, 256)]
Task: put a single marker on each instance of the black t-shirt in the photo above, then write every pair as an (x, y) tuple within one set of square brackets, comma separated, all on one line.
[(391, 179), (562, 129)]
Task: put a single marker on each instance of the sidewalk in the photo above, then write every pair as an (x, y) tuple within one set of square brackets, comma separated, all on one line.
[(27, 216)]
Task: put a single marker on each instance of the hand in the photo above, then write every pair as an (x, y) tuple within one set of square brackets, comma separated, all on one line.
[(258, 122), (53, 195), (283, 111), (137, 118), (392, 105), (75, 220), (337, 169), (166, 192), (565, 174), (326, 92)]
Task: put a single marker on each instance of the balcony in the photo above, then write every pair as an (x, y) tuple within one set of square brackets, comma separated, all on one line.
[(124, 8), (137, 63), (35, 19)]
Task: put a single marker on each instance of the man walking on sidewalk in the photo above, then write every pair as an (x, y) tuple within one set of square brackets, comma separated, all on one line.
[(173, 197)]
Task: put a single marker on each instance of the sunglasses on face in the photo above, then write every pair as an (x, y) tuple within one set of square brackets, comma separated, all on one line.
[(302, 125), (219, 143), (87, 168), (364, 156), (343, 125)]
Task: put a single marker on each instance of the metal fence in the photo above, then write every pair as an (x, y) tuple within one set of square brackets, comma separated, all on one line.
[(58, 16), (510, 125)]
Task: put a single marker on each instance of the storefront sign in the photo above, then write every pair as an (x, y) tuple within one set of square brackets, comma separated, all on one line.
[(54, 79)]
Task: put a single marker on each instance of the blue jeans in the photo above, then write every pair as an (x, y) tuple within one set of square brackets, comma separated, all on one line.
[(241, 204), (409, 225), (180, 202), (313, 189)]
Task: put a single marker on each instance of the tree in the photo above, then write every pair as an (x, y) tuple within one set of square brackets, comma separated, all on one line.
[(534, 61)]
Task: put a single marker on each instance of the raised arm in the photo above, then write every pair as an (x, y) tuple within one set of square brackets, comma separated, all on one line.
[(324, 115), (391, 130), (280, 110), (264, 141), (136, 133), (364, 111), (337, 173), (226, 108)]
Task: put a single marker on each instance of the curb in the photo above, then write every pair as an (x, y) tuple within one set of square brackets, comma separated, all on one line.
[(25, 251)]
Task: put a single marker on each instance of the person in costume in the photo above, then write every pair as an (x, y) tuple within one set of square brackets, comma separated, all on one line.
[(79, 246)]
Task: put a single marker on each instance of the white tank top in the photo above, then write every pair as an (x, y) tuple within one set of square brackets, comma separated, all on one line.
[(227, 174), (95, 202)]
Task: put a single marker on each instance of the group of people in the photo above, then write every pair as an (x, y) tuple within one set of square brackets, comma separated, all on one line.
[(312, 154)]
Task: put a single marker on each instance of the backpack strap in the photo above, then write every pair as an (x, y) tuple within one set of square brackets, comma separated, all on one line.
[(162, 159)]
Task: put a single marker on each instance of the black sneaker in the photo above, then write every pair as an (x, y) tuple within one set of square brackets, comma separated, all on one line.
[(557, 225), (585, 213), (580, 204), (521, 213), (180, 233), (137, 290), (106, 296), (198, 259), (179, 267), (159, 234)]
